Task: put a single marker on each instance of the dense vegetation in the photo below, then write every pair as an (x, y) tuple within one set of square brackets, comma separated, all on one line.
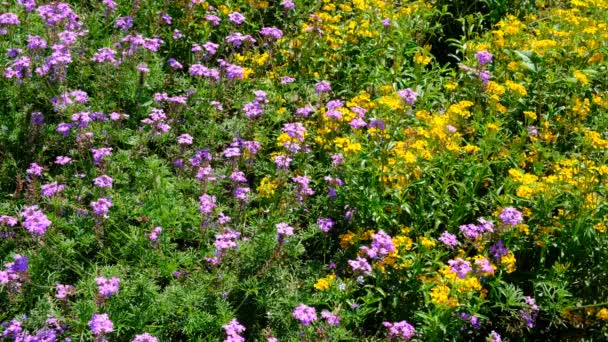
[(340, 170)]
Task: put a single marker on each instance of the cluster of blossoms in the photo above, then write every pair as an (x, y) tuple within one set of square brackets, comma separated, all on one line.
[(408, 96), (107, 287), (305, 314), (51, 332), (325, 224), (35, 221), (64, 291), (14, 273), (460, 266), (401, 330), (511, 216), (136, 42), (473, 231), (271, 32), (157, 119), (51, 189), (203, 71), (303, 187), (530, 313), (472, 319), (237, 39), (103, 181), (100, 153), (153, 236), (145, 337), (448, 239), (207, 204), (101, 207), (483, 58), (223, 242), (101, 325), (233, 331), (382, 245), (283, 230), (255, 108)]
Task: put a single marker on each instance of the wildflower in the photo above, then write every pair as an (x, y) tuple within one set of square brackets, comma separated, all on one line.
[(184, 139), (124, 23), (483, 57), (494, 337), (382, 245), (448, 239), (337, 159), (34, 170), (8, 220), (305, 314), (305, 111), (107, 287), (64, 291), (271, 32), (402, 330), (213, 19), (101, 207), (530, 313), (105, 55), (325, 224), (288, 4), (282, 161), (602, 314), (100, 153), (408, 95), (362, 265), (287, 80), (233, 331), (173, 63), (145, 337), (511, 216), (241, 193), (103, 181), (35, 221), (303, 187), (460, 266), (143, 68), (207, 204), (324, 283), (283, 230), (330, 318), (100, 324), (322, 87), (153, 236), (51, 189), (236, 18), (485, 266), (498, 250)]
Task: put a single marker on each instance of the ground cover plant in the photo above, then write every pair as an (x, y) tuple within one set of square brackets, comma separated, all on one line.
[(303, 170)]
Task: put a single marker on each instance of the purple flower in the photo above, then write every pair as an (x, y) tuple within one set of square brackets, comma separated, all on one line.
[(64, 291), (51, 189), (484, 76), (213, 19), (166, 18), (322, 87), (238, 176), (530, 313), (494, 337), (35, 221), (360, 265), (34, 170), (124, 23), (184, 139), (532, 130), (408, 95), (305, 314), (100, 324), (226, 240), (105, 55), (402, 330), (305, 111), (386, 22), (448, 239), (337, 159), (8, 220), (9, 19), (498, 250), (110, 4), (511, 216), (241, 193), (207, 204), (382, 245), (483, 57), (303, 187), (237, 39), (103, 181), (211, 48), (330, 318), (233, 331), (37, 118), (283, 230), (173, 63), (36, 42), (101, 207), (287, 80), (153, 236), (484, 265), (271, 32), (145, 337), (282, 161), (288, 4), (100, 153), (460, 266), (62, 160), (143, 68), (325, 224), (107, 287), (236, 18)]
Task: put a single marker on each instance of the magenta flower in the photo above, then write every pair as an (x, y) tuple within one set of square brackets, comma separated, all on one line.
[(35, 221), (460, 266), (325, 224), (484, 57), (408, 95), (511, 216), (153, 236), (448, 239), (51, 189), (330, 318), (322, 87), (184, 139), (207, 204), (236, 18), (402, 330), (103, 181), (305, 314), (101, 207), (283, 230), (361, 265), (145, 337), (107, 287), (64, 291), (101, 324), (34, 170)]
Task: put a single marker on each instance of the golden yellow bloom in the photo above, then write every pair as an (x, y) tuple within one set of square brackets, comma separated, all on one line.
[(427, 243), (509, 262), (602, 314), (516, 88), (421, 58), (325, 283), (530, 115), (346, 239), (581, 77), (267, 187)]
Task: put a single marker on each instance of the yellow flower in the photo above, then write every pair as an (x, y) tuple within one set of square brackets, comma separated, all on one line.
[(346, 239), (325, 283), (516, 88), (451, 86), (267, 187), (530, 115), (421, 58), (427, 243), (600, 227), (602, 314), (509, 262), (581, 77)]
